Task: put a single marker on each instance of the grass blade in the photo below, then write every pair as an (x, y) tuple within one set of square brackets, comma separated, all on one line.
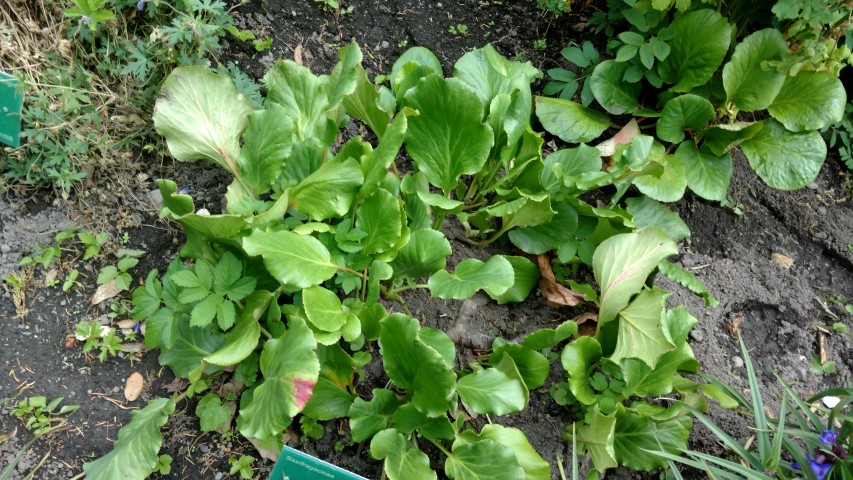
[(729, 442), (762, 431)]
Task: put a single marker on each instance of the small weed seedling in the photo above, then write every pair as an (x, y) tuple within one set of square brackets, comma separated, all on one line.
[(92, 242), (242, 466), (98, 336), (460, 29), (127, 259), (40, 415), (566, 83)]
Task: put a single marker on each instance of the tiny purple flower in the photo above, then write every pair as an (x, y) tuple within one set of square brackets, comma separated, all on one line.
[(141, 5), (828, 437), (820, 468), (137, 327), (85, 19), (185, 191)]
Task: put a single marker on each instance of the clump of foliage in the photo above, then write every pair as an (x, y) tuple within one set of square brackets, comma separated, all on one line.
[(281, 294)]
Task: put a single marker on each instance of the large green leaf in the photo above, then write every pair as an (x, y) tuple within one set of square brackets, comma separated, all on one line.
[(300, 261), (570, 121), (266, 145), (708, 175), (290, 368), (414, 56), (379, 216), (564, 167), (333, 393), (134, 454), (483, 460), (783, 159), (634, 434), (363, 104), (190, 345), (242, 340), (669, 186), (531, 365), (578, 359), (611, 90), (522, 212), (622, 263), (369, 418), (425, 254), (525, 278), (495, 275), (534, 466), (699, 45), (641, 329), (375, 164), (303, 95), (685, 111), (407, 419), (202, 116), (323, 309), (447, 139), (416, 367), (596, 437), (548, 236), (490, 391), (750, 85), (343, 80), (329, 191), (642, 380), (649, 213), (548, 337), (809, 101), (721, 138), (403, 461)]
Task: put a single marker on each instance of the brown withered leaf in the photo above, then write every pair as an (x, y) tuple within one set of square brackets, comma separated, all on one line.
[(105, 291), (555, 295), (176, 385), (297, 54)]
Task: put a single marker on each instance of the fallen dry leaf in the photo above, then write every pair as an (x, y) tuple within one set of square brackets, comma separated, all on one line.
[(622, 137), (126, 324), (297, 54), (583, 317), (133, 386), (105, 291), (175, 385), (555, 295), (784, 261)]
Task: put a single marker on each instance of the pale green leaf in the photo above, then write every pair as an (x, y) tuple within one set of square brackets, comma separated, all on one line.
[(534, 466), (570, 121), (622, 264), (723, 137), (202, 116), (375, 164), (525, 279), (677, 274), (334, 393), (134, 454), (424, 254), (363, 103), (303, 96), (471, 275), (708, 175), (242, 340), (809, 101), (266, 146), (700, 43), (379, 216), (447, 139), (403, 461), (578, 359), (548, 236), (190, 345), (490, 391), (290, 368), (343, 80), (323, 309), (635, 434), (329, 191), (649, 213), (211, 413), (684, 111), (641, 332), (610, 89), (749, 85), (597, 438), (483, 460), (369, 418), (783, 159), (299, 261)]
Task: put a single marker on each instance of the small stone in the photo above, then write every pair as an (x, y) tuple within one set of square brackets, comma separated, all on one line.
[(156, 197), (738, 362), (218, 476), (697, 335), (820, 235), (812, 186), (5, 248), (821, 211), (384, 44), (204, 449)]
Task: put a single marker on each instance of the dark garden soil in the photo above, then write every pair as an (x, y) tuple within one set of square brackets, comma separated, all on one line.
[(775, 268)]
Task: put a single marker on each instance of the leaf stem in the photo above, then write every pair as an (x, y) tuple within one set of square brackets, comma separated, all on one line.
[(441, 447)]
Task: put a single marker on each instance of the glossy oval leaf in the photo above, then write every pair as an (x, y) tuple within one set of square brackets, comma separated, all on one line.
[(370, 418), (425, 254), (190, 345), (417, 55), (323, 309), (447, 138), (641, 333), (471, 275), (578, 359), (403, 461), (483, 460), (290, 369), (242, 340), (783, 159), (490, 391), (699, 45), (623, 262), (611, 90), (379, 218), (748, 84), (202, 116), (329, 191), (267, 142), (649, 213), (525, 278), (809, 101), (534, 466), (669, 186), (685, 111), (570, 121), (708, 175), (296, 260)]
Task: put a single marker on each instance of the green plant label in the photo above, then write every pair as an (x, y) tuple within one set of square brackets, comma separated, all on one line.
[(11, 102), (296, 465)]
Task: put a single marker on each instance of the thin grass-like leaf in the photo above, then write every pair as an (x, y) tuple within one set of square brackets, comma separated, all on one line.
[(762, 431), (803, 406), (800, 457), (727, 440), (728, 389), (776, 450), (7, 473), (674, 470), (575, 469), (707, 462)]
